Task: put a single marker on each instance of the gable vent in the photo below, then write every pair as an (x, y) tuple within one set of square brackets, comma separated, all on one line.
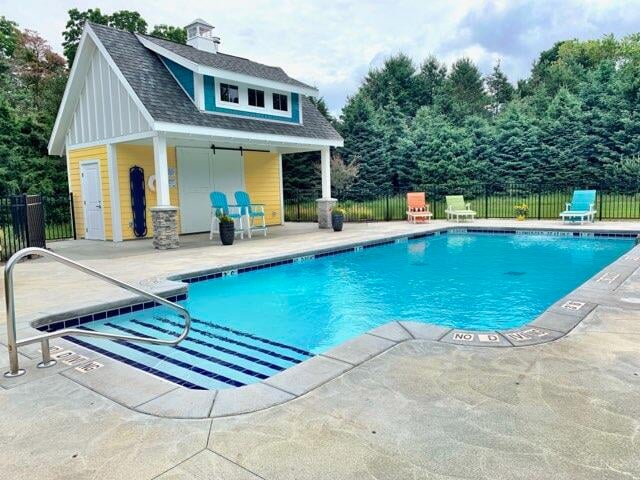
[(200, 36)]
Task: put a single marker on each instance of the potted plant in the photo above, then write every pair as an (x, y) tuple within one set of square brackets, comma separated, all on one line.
[(226, 227), (337, 218), (522, 210)]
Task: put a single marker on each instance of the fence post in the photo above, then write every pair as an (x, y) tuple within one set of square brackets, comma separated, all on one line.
[(26, 220), (386, 212), (539, 203), (73, 216), (600, 207), (486, 202)]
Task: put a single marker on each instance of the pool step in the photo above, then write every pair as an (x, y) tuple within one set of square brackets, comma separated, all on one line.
[(212, 356)]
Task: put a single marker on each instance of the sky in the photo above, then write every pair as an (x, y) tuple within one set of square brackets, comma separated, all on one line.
[(333, 44)]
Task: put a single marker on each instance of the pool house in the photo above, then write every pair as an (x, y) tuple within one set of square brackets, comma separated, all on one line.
[(151, 127)]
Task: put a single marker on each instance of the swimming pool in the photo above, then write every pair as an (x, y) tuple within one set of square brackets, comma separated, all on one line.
[(253, 325)]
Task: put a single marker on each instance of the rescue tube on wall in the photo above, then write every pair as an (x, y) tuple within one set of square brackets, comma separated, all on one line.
[(138, 201)]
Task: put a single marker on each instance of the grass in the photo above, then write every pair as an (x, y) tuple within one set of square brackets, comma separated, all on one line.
[(543, 206)]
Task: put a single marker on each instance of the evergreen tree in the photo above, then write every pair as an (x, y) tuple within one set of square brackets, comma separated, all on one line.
[(363, 145), (517, 148), (429, 81), (393, 125), (442, 151), (395, 79), (463, 93), (562, 155), (500, 90)]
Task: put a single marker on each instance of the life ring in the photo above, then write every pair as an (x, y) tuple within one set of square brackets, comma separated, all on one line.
[(151, 183)]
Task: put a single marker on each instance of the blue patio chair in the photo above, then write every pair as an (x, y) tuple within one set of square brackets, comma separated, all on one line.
[(581, 207), (219, 204), (251, 211)]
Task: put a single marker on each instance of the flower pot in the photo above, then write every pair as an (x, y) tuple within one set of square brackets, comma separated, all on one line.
[(227, 233), (520, 218), (337, 220)]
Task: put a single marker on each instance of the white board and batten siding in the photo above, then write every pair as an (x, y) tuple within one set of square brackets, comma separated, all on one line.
[(104, 110)]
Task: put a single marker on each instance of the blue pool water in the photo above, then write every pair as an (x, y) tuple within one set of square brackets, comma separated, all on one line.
[(250, 326)]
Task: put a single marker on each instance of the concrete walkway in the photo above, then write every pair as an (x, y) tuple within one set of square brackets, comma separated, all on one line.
[(566, 409)]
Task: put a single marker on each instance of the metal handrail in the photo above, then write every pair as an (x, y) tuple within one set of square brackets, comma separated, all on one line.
[(13, 343)]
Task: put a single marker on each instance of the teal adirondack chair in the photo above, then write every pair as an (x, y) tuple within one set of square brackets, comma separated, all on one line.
[(582, 207), (457, 208), (219, 204), (251, 211)]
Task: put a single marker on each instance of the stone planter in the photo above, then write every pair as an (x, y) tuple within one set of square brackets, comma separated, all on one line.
[(337, 221), (227, 233)]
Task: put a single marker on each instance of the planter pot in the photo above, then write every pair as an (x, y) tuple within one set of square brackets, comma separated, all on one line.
[(520, 218), (337, 221), (227, 233)]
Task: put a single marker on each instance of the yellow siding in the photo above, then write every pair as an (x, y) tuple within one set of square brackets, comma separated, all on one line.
[(142, 156), (262, 181), (74, 158)]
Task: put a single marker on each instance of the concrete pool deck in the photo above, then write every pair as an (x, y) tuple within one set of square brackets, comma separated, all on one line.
[(419, 409)]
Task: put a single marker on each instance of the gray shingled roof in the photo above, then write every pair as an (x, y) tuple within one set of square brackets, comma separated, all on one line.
[(166, 101), (227, 62)]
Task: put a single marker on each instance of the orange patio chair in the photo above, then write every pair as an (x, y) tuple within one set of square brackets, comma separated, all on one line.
[(417, 208)]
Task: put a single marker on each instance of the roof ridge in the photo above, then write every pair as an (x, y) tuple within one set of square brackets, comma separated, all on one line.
[(218, 53)]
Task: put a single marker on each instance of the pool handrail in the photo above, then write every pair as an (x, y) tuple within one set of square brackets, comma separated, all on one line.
[(13, 343)]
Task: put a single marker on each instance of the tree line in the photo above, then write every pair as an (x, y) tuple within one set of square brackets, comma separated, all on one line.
[(573, 122)]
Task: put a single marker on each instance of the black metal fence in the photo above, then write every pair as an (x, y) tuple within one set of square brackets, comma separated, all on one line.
[(31, 220), (489, 201)]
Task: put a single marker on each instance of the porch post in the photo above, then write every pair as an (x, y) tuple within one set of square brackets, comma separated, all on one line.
[(163, 215), (326, 203)]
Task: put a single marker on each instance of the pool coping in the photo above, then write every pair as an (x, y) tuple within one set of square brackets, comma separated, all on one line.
[(149, 394)]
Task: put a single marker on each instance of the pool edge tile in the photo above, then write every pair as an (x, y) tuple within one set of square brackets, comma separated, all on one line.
[(310, 374), (359, 349), (247, 399)]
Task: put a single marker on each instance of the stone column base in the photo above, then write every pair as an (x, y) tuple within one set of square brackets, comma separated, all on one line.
[(324, 211), (165, 227)]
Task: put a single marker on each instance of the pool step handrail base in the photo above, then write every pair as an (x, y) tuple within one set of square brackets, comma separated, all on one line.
[(13, 343)]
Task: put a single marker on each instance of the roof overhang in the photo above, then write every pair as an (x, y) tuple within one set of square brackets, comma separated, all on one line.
[(89, 42), (243, 136), (226, 74)]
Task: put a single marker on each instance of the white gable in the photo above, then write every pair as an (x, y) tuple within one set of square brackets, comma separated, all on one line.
[(98, 103), (104, 109)]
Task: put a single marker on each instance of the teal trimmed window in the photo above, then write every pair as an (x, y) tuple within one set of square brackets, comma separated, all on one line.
[(210, 105), (183, 75)]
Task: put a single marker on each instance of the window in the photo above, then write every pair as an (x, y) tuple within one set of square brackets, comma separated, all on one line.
[(229, 93), (256, 98), (280, 102)]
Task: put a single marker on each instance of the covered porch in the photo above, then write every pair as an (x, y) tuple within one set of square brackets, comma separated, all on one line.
[(175, 173)]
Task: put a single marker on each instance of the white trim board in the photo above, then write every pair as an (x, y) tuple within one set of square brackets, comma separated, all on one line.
[(114, 193), (82, 198), (283, 140)]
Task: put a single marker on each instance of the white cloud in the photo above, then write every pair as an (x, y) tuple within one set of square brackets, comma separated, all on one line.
[(333, 44)]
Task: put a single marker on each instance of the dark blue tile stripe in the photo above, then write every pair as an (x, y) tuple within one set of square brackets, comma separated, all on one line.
[(214, 346), (253, 337), (194, 353), (74, 322), (135, 364), (179, 363), (234, 342)]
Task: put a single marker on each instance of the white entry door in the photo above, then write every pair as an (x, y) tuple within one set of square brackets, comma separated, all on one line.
[(92, 200), (199, 173)]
